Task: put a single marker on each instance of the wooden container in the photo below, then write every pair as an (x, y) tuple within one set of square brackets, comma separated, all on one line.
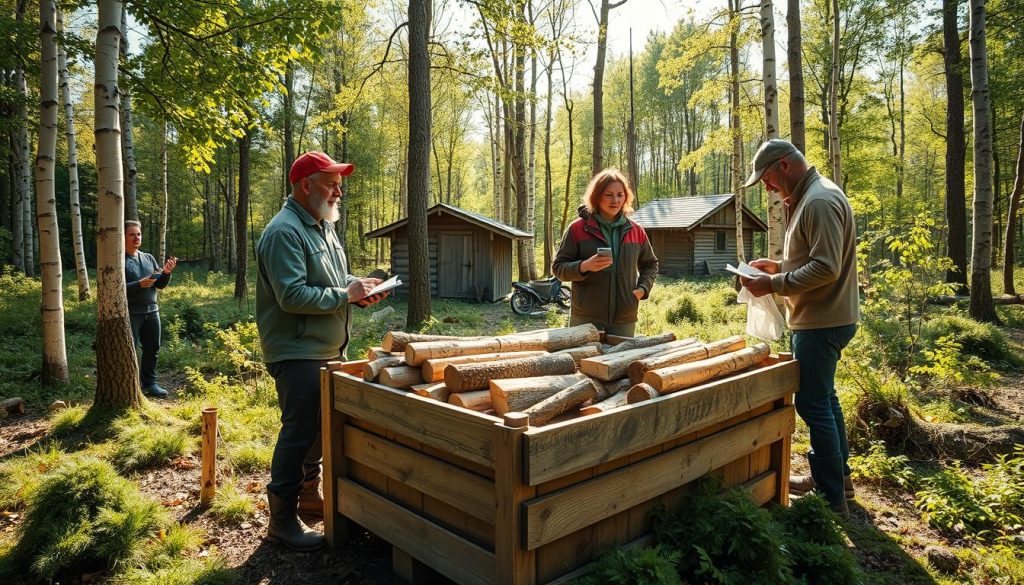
[(482, 500)]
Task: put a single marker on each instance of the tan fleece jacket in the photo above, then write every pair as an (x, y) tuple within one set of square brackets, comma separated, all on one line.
[(818, 277)]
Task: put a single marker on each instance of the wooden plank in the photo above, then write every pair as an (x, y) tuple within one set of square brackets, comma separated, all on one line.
[(554, 516), (459, 522), (452, 556), (762, 487), (411, 570), (513, 564), (336, 528), (780, 460), (562, 448), (462, 489), (464, 433)]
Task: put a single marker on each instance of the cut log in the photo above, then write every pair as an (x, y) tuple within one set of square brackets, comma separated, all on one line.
[(400, 376), (397, 341), (637, 369), (683, 376), (433, 370), (376, 353), (616, 365), (606, 390), (13, 406), (580, 353), (518, 394), (466, 377), (479, 401), (417, 352), (612, 402), (372, 369), (562, 401), (640, 393), (431, 390), (638, 342)]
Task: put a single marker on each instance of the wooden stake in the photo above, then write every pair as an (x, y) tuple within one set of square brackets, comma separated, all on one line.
[(466, 377), (553, 406), (433, 370), (208, 484), (683, 376)]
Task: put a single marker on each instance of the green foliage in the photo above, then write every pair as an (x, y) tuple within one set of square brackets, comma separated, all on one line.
[(143, 442), (809, 519), (67, 420), (636, 566), (983, 340), (822, 564), (20, 476), (231, 504), (947, 366), (251, 456), (879, 468), (880, 409), (168, 560), (684, 311), (724, 539), (954, 503), (83, 516), (235, 350)]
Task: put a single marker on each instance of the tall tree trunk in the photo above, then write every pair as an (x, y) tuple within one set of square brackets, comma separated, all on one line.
[(76, 208), (18, 192), (1013, 209), (241, 257), (982, 308), (526, 270), (496, 161), (835, 148), (956, 148), (117, 371), (164, 197), (566, 97), (55, 358), (602, 46), (776, 213), (23, 209), (531, 174), (634, 172), (289, 132), (797, 127), (131, 200), (230, 212), (549, 215), (736, 129), (419, 162)]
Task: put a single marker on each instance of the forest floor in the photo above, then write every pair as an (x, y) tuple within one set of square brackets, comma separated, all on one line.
[(886, 531)]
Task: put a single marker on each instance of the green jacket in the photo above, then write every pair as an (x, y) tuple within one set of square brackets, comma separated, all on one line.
[(302, 309), (606, 296)]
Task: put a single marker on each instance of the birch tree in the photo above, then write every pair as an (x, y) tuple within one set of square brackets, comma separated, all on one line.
[(797, 126), (117, 370), (55, 360), (81, 272), (834, 150), (1013, 209), (776, 214), (735, 124), (131, 198)]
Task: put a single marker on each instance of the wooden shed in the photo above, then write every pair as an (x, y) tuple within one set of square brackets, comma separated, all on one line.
[(470, 254), (697, 235)]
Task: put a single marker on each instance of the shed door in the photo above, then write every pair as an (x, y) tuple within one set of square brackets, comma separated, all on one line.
[(455, 265)]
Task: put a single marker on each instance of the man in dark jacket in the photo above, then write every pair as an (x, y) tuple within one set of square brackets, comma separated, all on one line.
[(143, 277)]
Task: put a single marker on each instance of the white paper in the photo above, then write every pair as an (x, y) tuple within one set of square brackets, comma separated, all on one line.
[(385, 286), (746, 270)]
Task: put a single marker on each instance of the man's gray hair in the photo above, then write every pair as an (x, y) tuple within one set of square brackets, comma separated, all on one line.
[(132, 222)]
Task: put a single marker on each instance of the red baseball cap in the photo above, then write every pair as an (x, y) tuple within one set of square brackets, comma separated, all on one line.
[(314, 162)]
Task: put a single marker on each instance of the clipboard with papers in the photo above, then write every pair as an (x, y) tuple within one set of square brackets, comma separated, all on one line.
[(393, 282)]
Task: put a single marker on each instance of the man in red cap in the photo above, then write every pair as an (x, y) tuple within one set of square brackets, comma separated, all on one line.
[(303, 295)]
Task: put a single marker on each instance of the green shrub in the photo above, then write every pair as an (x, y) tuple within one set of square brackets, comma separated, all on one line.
[(684, 311), (83, 516), (983, 340), (952, 504), (823, 564), (636, 566), (809, 519), (724, 539), (879, 468)]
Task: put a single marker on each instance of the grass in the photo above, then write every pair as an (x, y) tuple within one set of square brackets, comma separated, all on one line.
[(231, 504)]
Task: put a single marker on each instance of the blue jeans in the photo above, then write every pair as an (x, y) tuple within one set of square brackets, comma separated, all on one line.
[(818, 352), (146, 332), (297, 455)]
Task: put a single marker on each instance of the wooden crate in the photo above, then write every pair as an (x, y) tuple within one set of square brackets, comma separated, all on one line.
[(482, 500)]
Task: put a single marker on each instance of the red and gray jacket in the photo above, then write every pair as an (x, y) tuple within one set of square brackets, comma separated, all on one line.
[(605, 296)]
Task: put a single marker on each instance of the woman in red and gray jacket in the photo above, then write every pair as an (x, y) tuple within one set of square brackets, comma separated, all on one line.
[(606, 289)]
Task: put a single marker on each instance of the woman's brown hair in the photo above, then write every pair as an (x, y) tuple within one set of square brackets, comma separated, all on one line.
[(600, 182)]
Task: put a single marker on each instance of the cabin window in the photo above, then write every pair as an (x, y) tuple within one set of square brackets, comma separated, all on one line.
[(719, 240)]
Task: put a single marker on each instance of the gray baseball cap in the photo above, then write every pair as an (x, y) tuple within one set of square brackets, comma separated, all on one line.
[(770, 153)]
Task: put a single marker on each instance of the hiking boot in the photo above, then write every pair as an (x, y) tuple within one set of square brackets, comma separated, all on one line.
[(842, 509), (286, 529), (154, 391), (311, 502), (802, 484)]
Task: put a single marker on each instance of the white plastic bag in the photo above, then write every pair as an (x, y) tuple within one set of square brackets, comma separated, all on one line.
[(764, 320)]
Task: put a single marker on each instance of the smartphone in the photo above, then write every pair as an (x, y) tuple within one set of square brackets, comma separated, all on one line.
[(607, 252)]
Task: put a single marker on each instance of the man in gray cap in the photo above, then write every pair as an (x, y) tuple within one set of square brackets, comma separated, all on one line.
[(817, 278)]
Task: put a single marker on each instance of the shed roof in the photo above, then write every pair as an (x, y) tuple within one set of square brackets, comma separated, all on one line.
[(687, 212), (483, 221)]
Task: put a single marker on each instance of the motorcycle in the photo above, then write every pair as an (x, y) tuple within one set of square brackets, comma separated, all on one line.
[(527, 296)]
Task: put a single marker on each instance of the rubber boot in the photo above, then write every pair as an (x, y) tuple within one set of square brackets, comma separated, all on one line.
[(311, 501), (285, 527), (802, 484)]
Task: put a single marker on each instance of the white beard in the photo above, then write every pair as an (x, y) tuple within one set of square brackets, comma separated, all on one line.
[(325, 210)]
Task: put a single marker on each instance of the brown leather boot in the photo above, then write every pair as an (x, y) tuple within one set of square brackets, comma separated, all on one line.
[(311, 501), (802, 484)]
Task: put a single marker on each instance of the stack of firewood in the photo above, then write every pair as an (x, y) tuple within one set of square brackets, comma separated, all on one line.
[(551, 372)]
